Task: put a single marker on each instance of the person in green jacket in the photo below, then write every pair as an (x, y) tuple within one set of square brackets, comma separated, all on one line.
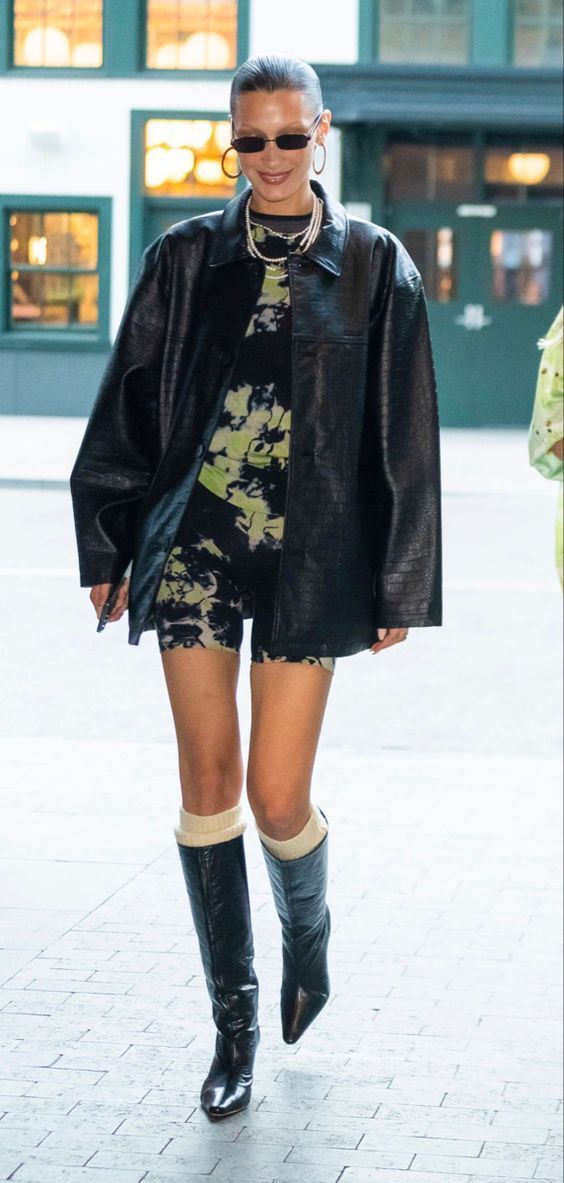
[(546, 432)]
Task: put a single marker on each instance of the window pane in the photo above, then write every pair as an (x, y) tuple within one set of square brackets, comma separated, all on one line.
[(523, 174), (40, 242), (192, 34), (183, 158), (54, 239), (521, 263), (54, 301), (429, 172), (432, 252), (425, 31), (538, 32), (58, 33)]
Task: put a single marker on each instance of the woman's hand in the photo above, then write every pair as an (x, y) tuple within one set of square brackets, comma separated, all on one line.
[(387, 637), (100, 593)]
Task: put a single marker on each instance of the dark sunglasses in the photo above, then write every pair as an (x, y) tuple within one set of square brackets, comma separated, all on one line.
[(288, 142)]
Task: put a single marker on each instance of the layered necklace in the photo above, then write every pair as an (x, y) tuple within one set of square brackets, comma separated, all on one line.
[(309, 233)]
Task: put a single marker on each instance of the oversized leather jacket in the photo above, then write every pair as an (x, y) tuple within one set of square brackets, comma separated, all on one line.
[(361, 547)]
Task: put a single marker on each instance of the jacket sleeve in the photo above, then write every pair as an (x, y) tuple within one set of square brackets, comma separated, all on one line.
[(119, 451), (403, 409)]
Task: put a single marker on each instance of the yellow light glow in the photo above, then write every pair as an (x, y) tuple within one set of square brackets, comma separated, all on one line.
[(180, 163), (37, 250), (14, 244), (166, 57), (204, 51), (88, 55), (156, 167), (208, 172), (222, 135), (46, 47), (178, 133), (529, 168)]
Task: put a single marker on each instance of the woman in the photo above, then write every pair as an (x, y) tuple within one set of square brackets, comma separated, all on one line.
[(264, 444), (546, 430)]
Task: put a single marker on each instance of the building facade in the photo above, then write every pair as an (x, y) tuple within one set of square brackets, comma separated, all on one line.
[(446, 129)]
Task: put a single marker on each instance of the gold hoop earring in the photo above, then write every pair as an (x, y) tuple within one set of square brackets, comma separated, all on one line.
[(318, 171), (232, 176)]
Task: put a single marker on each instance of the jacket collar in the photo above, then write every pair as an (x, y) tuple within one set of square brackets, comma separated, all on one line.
[(328, 249)]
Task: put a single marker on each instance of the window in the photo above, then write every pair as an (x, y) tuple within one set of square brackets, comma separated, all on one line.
[(64, 33), (433, 252), (521, 266), (538, 32), (429, 172), (183, 158), (56, 271), (419, 31), (523, 172), (192, 34)]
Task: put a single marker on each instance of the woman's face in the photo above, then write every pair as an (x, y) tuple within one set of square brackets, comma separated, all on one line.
[(279, 177)]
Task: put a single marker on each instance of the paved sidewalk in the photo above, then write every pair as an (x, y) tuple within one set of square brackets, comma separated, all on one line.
[(438, 1057)]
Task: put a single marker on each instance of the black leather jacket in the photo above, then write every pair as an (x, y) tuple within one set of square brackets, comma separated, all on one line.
[(362, 539)]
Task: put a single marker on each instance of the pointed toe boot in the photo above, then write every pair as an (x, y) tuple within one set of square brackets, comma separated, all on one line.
[(299, 887), (216, 882)]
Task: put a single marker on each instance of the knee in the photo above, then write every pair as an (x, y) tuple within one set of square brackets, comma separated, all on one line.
[(210, 787), (277, 811)]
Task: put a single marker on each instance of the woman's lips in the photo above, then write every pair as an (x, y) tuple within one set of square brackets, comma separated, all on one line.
[(274, 178)]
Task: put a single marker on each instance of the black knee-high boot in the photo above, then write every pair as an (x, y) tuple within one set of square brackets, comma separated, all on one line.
[(216, 881), (299, 887)]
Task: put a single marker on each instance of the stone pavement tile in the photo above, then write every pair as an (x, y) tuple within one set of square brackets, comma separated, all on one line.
[(379, 1139), (38, 1172), (398, 1159), (507, 1168), (375, 1175)]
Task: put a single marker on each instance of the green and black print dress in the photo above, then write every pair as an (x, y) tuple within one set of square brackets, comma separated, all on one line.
[(224, 562)]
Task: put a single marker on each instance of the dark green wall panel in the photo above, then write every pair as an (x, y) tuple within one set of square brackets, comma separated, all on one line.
[(37, 383)]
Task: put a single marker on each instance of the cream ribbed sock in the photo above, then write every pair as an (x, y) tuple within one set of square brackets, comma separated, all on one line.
[(197, 830), (311, 836)]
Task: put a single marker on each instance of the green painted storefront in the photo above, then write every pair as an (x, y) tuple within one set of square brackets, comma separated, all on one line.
[(497, 287)]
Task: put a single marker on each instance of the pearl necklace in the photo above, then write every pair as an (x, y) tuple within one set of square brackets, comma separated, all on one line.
[(309, 236)]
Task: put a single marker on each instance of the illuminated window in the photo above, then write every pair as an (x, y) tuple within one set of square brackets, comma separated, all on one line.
[(425, 31), (192, 34), (433, 252), (538, 32), (58, 33), (429, 172), (524, 173), (521, 266), (183, 158), (53, 270)]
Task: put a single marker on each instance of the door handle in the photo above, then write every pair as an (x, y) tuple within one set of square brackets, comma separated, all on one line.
[(473, 317)]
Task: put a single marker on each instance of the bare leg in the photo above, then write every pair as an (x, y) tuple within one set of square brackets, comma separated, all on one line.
[(288, 705), (202, 687)]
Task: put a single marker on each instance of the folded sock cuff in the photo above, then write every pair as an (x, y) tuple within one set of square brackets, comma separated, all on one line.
[(311, 836), (198, 830)]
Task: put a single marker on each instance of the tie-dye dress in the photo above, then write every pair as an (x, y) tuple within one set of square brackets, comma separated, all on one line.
[(224, 563)]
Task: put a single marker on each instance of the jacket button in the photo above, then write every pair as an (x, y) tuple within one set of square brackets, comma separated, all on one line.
[(200, 451)]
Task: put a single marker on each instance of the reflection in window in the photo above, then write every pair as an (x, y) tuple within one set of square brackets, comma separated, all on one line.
[(538, 32), (192, 34), (425, 31), (429, 172), (432, 252), (521, 261), (53, 264), (58, 33), (183, 158), (520, 174)]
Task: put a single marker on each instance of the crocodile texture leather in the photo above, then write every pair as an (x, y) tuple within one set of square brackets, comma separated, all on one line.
[(362, 537)]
